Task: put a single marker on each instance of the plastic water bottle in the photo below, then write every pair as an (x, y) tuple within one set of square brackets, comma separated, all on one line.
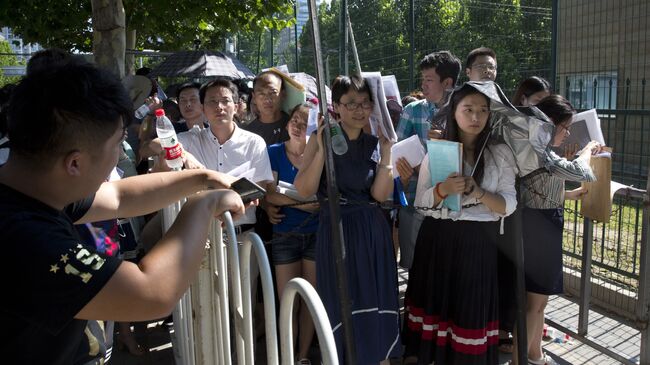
[(168, 140), (339, 145), (142, 111)]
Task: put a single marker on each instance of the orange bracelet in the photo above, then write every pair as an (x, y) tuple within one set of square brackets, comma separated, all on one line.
[(437, 191)]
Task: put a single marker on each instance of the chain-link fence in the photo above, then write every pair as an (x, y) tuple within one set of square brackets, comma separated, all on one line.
[(602, 63)]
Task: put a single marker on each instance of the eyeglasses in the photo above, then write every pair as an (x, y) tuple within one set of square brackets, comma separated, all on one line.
[(212, 102), (485, 66), (352, 106), (566, 128)]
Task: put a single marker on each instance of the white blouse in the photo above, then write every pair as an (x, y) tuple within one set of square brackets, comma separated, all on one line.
[(498, 178)]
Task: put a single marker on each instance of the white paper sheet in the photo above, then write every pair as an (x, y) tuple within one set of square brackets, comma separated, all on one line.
[(243, 170), (289, 190), (411, 149)]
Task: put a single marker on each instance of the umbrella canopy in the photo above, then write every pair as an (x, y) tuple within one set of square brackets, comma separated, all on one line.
[(528, 136), (311, 87), (202, 64)]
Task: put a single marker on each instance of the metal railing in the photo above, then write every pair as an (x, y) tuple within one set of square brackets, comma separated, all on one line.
[(316, 309), (591, 262), (202, 326)]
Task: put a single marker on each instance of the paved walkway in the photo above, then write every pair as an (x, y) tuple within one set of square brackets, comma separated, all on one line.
[(604, 328)]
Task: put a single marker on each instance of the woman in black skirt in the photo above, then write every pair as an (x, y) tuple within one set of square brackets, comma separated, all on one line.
[(543, 195), (452, 297)]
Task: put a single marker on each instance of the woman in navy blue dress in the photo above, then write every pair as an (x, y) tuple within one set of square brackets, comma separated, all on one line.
[(364, 177)]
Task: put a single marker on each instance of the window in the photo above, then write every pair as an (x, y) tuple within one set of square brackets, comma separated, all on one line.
[(592, 90)]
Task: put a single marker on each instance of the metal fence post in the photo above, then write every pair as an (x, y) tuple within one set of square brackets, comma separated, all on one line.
[(585, 276), (343, 40), (643, 302), (411, 45)]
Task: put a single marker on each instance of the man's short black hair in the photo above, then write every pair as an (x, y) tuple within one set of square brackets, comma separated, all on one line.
[(65, 107), (444, 62), (48, 57), (481, 51), (219, 82), (187, 85), (264, 74)]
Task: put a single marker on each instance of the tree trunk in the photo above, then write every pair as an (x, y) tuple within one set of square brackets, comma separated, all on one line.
[(109, 38), (129, 59)]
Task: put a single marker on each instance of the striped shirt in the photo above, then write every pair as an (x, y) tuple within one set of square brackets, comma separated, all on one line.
[(544, 188), (415, 119)]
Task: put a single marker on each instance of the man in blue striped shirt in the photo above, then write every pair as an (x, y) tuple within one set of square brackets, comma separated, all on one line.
[(439, 71)]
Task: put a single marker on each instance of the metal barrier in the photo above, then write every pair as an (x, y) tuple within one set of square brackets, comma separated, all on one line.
[(317, 311), (202, 326), (641, 311)]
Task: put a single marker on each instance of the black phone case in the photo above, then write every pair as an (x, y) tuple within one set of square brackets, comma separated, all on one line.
[(248, 190)]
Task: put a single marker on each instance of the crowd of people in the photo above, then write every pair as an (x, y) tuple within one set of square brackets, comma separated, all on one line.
[(75, 197)]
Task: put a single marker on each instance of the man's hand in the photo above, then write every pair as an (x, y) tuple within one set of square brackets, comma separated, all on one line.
[(219, 180), (228, 201), (153, 102), (190, 162), (405, 170), (274, 213), (160, 164)]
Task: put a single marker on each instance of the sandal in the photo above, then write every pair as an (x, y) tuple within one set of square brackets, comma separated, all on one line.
[(545, 360)]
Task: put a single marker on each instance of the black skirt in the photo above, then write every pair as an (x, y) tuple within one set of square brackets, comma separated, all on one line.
[(451, 300), (542, 233)]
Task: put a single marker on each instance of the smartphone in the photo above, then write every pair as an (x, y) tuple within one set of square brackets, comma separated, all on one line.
[(248, 190)]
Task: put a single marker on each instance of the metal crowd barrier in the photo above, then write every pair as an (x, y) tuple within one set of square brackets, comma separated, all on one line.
[(641, 319), (202, 318)]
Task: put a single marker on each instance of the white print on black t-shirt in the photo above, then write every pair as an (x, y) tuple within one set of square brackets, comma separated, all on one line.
[(83, 258)]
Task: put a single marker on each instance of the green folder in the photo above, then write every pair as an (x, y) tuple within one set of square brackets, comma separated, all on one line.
[(445, 157), (295, 93)]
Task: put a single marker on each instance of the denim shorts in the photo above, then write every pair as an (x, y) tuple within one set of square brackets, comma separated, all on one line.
[(287, 248)]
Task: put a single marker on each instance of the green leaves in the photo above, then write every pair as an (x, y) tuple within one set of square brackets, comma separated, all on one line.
[(160, 24)]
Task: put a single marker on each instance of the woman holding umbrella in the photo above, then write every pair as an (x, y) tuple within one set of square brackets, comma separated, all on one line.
[(451, 300)]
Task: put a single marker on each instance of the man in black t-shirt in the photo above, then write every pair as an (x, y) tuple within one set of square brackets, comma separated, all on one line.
[(268, 95), (66, 124)]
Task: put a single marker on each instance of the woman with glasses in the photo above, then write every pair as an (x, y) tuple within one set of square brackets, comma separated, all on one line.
[(364, 178), (543, 195)]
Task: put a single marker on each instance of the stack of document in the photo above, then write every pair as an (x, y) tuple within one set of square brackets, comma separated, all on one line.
[(289, 190)]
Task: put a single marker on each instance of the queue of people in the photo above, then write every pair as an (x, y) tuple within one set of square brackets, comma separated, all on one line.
[(65, 144)]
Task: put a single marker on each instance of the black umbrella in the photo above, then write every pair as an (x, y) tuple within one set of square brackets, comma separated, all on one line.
[(202, 64)]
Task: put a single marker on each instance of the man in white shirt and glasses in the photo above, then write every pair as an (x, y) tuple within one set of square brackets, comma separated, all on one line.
[(481, 64), (224, 146)]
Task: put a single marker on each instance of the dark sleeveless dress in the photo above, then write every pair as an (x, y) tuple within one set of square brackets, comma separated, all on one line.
[(370, 260)]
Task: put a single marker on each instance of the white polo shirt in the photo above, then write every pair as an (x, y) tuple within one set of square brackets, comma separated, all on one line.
[(244, 154)]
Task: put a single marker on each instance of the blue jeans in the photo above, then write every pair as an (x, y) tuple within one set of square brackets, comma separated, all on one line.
[(288, 247)]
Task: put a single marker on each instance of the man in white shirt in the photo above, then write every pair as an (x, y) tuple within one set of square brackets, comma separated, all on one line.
[(224, 146)]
